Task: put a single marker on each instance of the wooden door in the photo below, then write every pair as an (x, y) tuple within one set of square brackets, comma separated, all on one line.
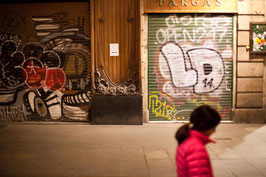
[(116, 30)]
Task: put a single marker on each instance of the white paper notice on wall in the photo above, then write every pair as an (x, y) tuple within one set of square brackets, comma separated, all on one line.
[(114, 49)]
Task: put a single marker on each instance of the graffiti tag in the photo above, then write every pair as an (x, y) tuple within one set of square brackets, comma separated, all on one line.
[(13, 113), (204, 72)]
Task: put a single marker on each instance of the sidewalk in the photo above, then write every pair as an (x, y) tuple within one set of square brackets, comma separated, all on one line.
[(81, 150)]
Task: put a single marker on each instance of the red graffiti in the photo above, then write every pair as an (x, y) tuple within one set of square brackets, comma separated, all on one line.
[(226, 113), (35, 73), (55, 79), (41, 76)]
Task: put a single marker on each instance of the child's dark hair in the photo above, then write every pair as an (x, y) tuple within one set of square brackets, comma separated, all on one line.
[(202, 118)]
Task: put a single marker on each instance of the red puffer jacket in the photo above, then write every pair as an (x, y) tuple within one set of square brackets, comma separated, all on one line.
[(192, 159)]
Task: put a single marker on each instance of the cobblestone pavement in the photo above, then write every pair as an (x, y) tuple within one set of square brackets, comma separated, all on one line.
[(83, 150)]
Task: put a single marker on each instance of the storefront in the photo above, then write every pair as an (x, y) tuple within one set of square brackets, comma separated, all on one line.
[(70, 61), (132, 61), (45, 61), (190, 57)]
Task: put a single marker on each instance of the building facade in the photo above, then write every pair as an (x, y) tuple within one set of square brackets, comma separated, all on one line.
[(132, 61)]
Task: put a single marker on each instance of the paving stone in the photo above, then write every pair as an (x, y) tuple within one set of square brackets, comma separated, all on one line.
[(244, 170), (223, 173), (42, 150)]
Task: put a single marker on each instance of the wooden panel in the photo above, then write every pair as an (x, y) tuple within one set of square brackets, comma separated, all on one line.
[(122, 35), (92, 46), (118, 36), (251, 7), (190, 6), (249, 85), (249, 100), (250, 69), (116, 22)]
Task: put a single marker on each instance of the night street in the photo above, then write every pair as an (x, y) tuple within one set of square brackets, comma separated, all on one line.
[(83, 150)]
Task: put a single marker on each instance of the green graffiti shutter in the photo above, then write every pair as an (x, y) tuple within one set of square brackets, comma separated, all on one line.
[(190, 64)]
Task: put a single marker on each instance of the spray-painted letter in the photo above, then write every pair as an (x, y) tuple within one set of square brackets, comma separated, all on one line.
[(210, 67), (181, 76)]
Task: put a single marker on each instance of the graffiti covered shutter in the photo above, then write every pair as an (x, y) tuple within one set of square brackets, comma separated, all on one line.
[(47, 49), (190, 64)]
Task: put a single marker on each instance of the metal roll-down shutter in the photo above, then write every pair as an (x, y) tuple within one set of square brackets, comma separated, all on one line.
[(190, 63)]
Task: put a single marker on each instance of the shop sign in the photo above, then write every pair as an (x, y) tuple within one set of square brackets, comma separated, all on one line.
[(190, 6)]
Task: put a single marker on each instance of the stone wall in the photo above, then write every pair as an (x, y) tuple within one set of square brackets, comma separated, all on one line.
[(250, 69), (144, 63)]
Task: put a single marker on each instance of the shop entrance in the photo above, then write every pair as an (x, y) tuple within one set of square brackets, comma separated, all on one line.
[(190, 63), (45, 61)]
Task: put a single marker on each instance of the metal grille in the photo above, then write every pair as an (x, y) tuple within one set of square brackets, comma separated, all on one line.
[(51, 45), (190, 64)]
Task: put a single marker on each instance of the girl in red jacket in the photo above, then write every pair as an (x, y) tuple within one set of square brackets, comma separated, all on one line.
[(192, 159)]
